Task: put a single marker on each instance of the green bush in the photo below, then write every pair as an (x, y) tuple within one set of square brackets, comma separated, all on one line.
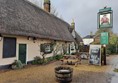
[(17, 64), (58, 57), (115, 70), (111, 49), (109, 52), (37, 60), (45, 61), (50, 59)]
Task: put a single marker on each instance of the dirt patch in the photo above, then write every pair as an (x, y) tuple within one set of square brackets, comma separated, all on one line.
[(83, 73)]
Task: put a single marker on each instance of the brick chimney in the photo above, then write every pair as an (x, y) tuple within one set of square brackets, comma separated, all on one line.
[(47, 5)]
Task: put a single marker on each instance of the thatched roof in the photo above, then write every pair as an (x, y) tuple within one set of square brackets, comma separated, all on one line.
[(78, 37), (20, 17)]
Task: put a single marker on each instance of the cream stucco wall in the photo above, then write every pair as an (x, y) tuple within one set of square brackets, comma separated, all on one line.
[(72, 48), (33, 49)]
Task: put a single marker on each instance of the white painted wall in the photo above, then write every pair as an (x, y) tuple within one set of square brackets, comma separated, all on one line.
[(72, 46), (33, 49), (88, 41)]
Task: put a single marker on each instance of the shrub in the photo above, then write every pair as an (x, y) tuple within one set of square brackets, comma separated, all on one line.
[(17, 64), (58, 57), (50, 59), (111, 49), (108, 52), (37, 60), (45, 61), (115, 70)]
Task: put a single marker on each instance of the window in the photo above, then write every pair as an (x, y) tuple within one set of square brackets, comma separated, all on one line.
[(46, 48), (9, 47), (72, 47)]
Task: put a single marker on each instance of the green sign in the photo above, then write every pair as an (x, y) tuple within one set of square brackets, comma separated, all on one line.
[(105, 9), (104, 39)]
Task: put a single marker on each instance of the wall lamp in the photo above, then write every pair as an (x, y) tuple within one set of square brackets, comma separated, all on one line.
[(1, 37), (34, 39), (29, 38), (65, 42)]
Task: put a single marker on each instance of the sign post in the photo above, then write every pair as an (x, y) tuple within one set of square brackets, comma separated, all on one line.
[(105, 21), (104, 40), (104, 50)]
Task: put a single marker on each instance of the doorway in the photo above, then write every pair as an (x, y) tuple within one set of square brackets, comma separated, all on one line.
[(22, 53)]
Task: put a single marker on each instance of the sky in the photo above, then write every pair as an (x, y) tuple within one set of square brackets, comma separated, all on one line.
[(84, 13)]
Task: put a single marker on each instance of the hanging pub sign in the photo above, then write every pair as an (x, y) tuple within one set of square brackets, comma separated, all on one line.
[(105, 18), (95, 55)]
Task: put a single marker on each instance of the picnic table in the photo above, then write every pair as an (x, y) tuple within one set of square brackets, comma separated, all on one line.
[(71, 60)]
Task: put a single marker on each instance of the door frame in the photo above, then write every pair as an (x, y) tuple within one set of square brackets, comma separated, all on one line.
[(26, 52)]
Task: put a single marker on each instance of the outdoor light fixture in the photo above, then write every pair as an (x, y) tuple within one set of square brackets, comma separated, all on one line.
[(1, 37), (65, 42), (29, 38), (104, 45), (104, 53), (41, 39), (34, 39)]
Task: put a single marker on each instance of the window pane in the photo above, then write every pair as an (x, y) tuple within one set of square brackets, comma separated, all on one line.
[(9, 47)]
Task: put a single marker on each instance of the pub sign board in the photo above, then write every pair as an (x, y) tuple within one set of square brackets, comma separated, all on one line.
[(105, 18), (95, 55)]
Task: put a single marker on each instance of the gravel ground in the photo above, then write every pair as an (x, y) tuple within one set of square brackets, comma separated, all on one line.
[(113, 64), (45, 74)]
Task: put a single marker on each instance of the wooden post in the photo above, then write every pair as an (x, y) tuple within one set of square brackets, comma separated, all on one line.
[(104, 52)]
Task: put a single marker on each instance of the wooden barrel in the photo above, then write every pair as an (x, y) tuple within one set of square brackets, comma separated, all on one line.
[(63, 74)]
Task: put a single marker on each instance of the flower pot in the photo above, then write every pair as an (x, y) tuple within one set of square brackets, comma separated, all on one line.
[(63, 74)]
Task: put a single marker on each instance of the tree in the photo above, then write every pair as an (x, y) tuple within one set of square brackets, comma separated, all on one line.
[(113, 43), (112, 47), (39, 3), (104, 30), (113, 39)]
